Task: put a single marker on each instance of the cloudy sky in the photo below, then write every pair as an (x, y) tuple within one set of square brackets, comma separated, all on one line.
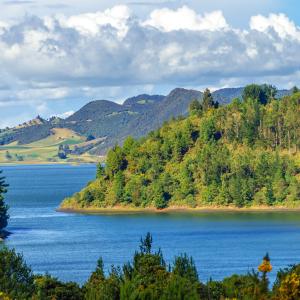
[(56, 56)]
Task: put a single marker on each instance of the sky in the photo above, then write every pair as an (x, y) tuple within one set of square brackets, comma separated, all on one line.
[(58, 55)]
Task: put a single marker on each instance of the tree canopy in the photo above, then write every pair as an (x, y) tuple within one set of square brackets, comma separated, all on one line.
[(242, 154), (146, 276)]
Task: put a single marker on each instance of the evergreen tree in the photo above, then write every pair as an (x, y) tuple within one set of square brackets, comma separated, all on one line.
[(195, 107), (208, 101), (3, 207), (16, 278), (100, 171), (295, 90)]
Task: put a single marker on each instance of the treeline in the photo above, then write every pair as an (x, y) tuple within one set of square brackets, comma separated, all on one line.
[(4, 216), (146, 277), (242, 154)]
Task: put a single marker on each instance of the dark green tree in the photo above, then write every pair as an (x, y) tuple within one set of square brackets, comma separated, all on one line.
[(115, 161), (50, 288), (3, 207), (16, 278), (295, 90), (100, 170), (184, 266), (263, 93), (195, 107), (208, 100)]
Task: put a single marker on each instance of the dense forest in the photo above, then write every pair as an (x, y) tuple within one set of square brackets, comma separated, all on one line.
[(242, 154), (147, 277)]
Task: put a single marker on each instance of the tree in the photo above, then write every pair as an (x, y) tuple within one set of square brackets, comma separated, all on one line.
[(265, 267), (115, 161), (146, 244), (184, 266), (118, 186), (195, 107), (247, 286), (295, 90), (99, 287), (3, 207), (50, 288), (61, 155), (263, 93), (287, 284), (100, 171), (208, 100), (146, 277), (270, 91), (16, 278)]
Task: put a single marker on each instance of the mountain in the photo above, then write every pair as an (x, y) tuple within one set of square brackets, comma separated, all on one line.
[(143, 102), (245, 154), (109, 123)]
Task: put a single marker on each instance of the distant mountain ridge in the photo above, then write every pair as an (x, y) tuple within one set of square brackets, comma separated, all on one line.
[(112, 122)]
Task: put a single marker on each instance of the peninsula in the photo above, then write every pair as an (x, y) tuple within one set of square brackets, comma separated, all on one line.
[(242, 155)]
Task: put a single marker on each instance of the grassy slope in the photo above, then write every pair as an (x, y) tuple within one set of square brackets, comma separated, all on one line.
[(45, 150)]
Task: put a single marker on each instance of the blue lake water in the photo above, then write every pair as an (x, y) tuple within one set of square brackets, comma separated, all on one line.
[(68, 245)]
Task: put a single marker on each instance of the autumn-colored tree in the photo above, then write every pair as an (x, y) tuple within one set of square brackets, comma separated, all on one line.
[(265, 267)]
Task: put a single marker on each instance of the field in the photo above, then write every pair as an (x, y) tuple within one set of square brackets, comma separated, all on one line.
[(46, 150)]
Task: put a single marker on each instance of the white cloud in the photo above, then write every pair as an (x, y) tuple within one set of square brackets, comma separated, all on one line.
[(281, 24), (71, 57), (91, 23), (185, 18), (66, 114)]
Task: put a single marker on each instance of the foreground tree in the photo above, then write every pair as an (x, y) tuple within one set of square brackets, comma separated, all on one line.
[(287, 284), (265, 267), (50, 288), (16, 278), (3, 207), (147, 277)]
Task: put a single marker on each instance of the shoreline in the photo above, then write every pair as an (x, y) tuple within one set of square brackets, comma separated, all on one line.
[(152, 210)]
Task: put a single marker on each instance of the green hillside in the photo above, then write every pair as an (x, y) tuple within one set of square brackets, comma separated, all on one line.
[(112, 122), (240, 155), (47, 150)]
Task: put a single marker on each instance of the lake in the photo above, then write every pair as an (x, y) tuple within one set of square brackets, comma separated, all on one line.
[(68, 245)]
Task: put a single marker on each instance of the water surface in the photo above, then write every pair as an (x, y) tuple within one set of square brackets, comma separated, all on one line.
[(68, 245)]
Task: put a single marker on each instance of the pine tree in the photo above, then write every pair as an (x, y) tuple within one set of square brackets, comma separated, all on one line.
[(208, 100), (3, 207)]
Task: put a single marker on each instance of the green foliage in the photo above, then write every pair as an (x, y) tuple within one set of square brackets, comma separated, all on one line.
[(115, 161), (100, 171), (287, 284), (146, 277), (263, 93), (247, 287), (195, 107), (295, 90), (3, 207), (49, 288), (99, 287), (184, 266), (243, 154), (208, 101), (16, 278)]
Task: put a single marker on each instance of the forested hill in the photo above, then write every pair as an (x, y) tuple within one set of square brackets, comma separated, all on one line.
[(243, 154), (108, 122)]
